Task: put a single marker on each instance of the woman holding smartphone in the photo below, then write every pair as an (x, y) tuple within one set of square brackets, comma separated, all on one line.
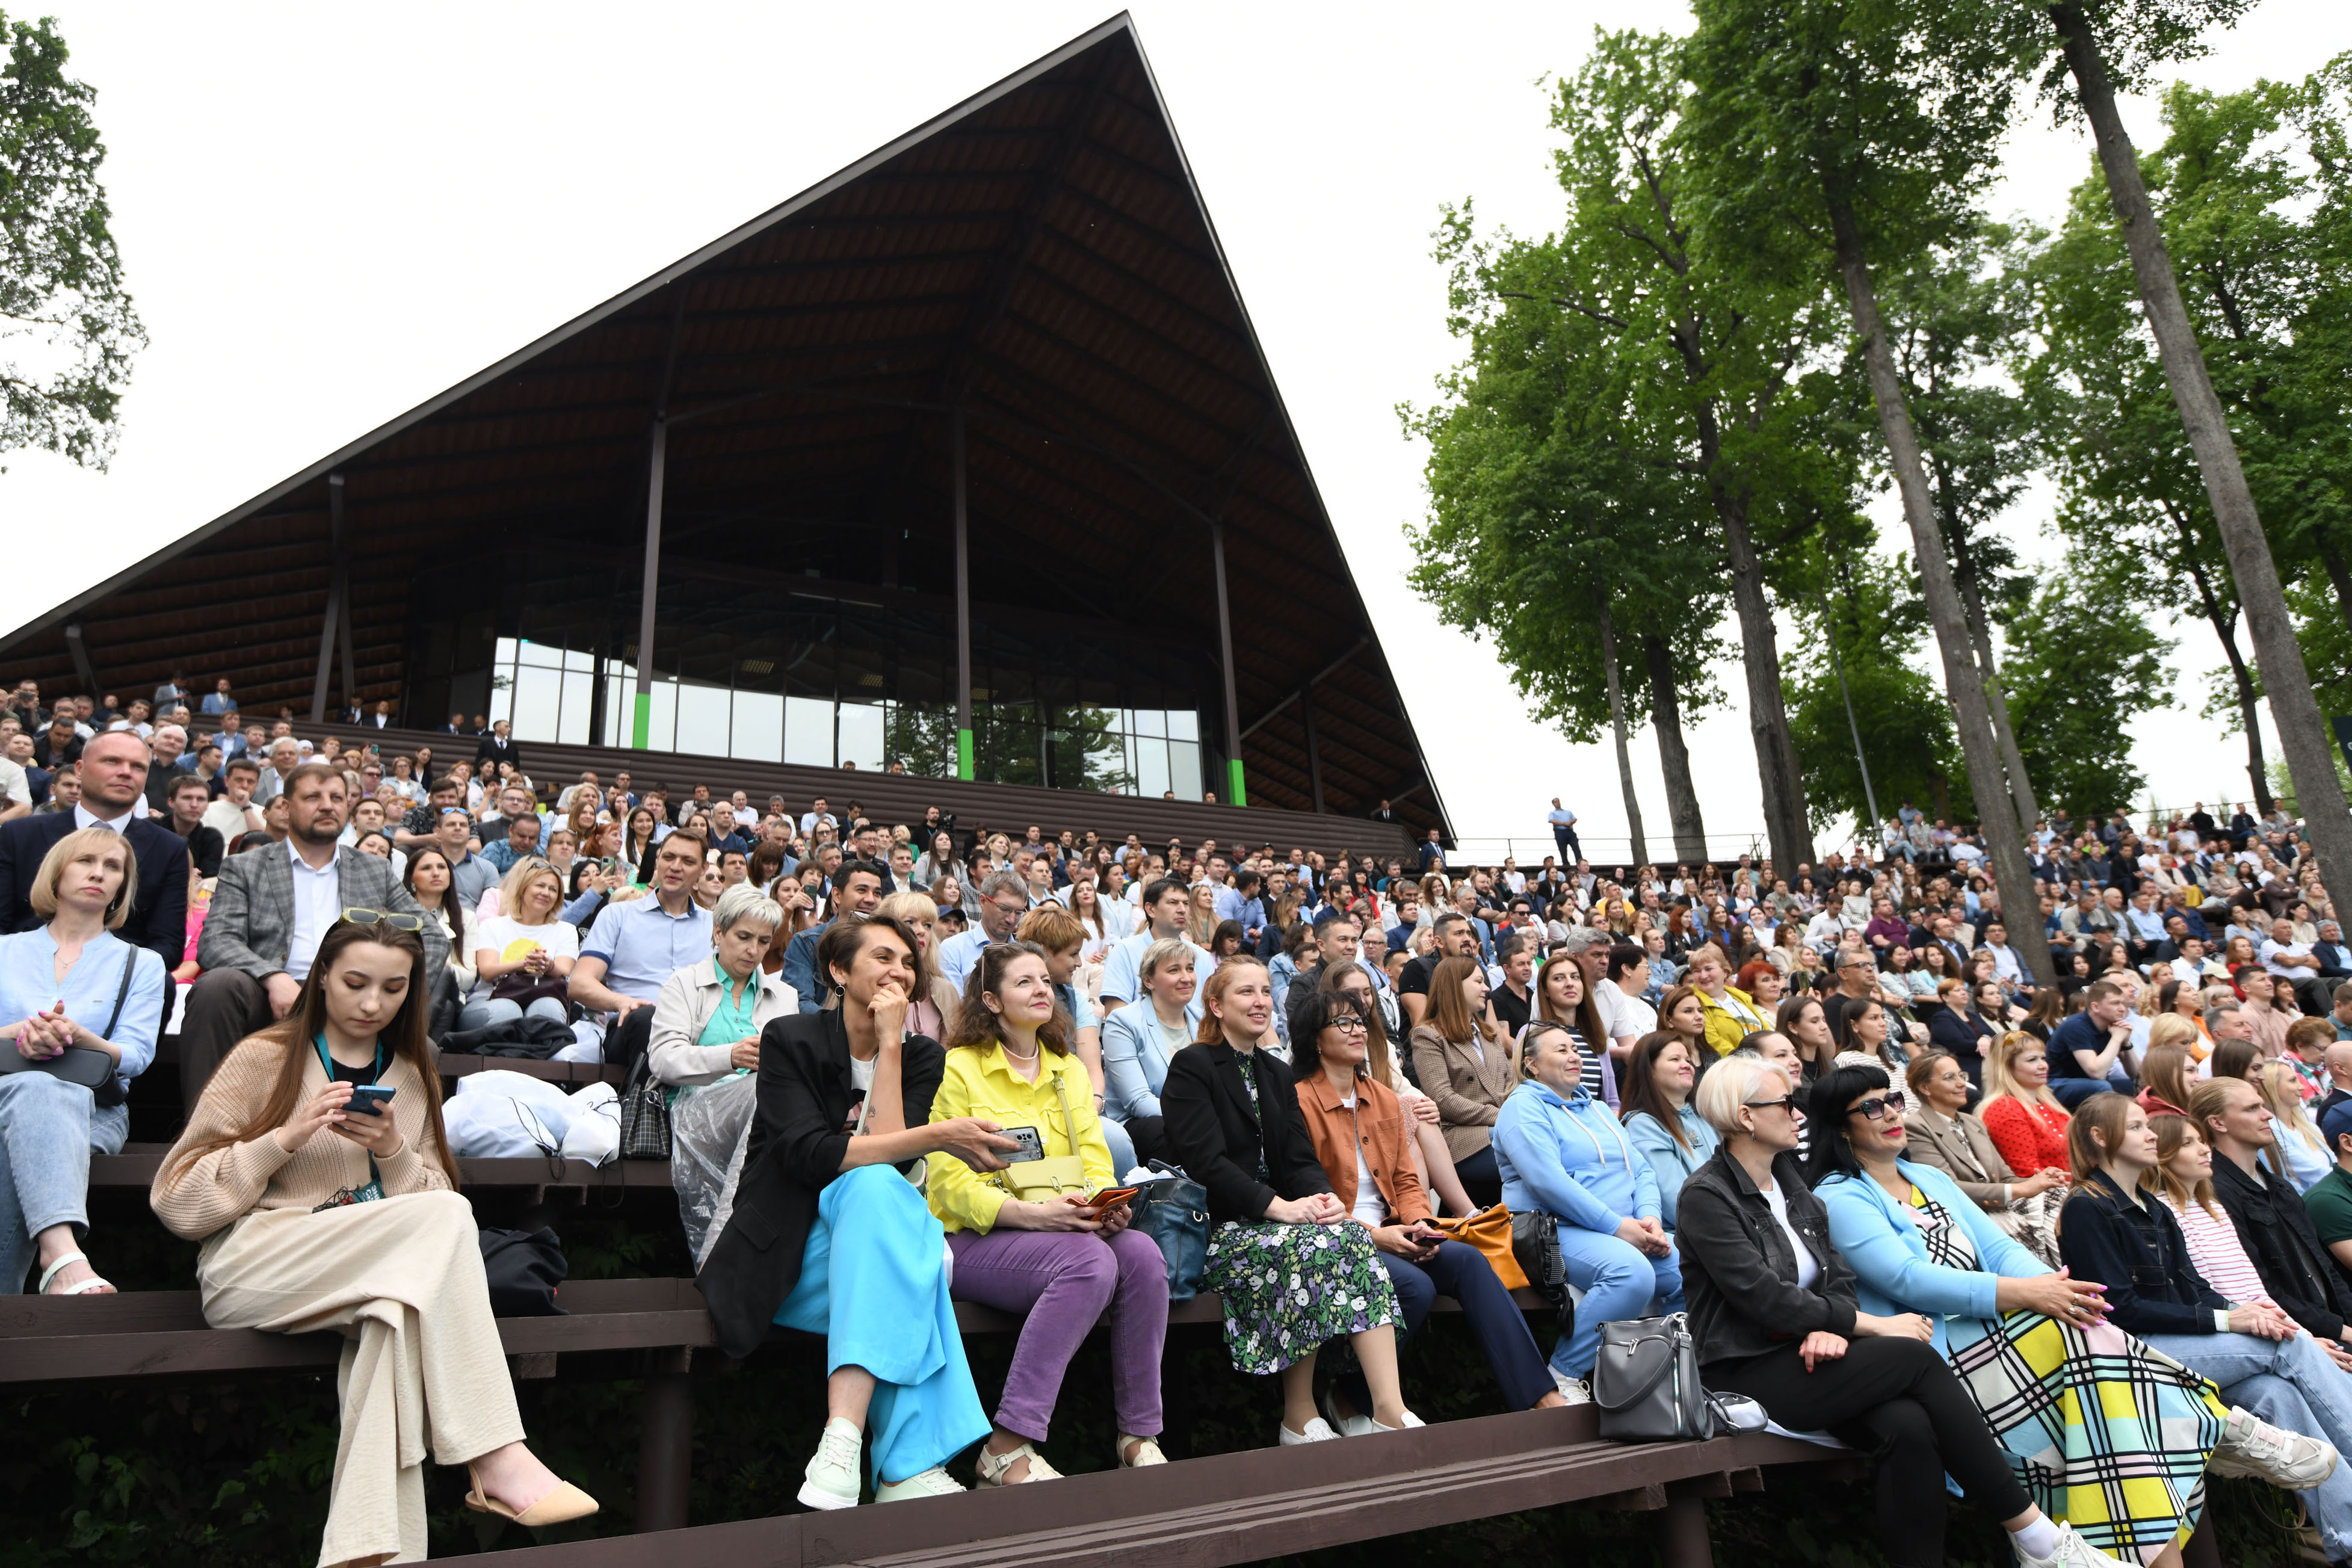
[(1046, 1253), (317, 1214)]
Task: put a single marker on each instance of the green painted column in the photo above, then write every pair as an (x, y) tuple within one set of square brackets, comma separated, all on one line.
[(963, 755), (642, 733), (1241, 795)]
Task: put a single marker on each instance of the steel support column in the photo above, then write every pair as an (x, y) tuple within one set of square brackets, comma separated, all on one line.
[(1239, 795), (963, 600), (649, 591), (337, 610)]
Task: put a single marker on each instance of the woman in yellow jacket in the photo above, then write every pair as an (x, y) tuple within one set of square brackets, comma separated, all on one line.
[(1026, 1239), (1731, 1013)]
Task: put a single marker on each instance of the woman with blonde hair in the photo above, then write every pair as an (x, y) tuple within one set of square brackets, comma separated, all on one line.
[(931, 1011), (1141, 1038), (321, 1208), (2299, 1147), (1468, 1064), (524, 950), (1731, 1013), (1201, 922), (2026, 1122)]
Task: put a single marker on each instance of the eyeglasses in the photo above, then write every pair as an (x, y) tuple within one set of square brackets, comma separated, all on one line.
[(383, 917), (1765, 1104), (1349, 1023), (1875, 1108)]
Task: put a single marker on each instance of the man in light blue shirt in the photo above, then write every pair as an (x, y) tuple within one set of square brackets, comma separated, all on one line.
[(1004, 900), (633, 948), (1563, 830)]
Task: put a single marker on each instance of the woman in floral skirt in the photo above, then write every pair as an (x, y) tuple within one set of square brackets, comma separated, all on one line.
[(1292, 1272)]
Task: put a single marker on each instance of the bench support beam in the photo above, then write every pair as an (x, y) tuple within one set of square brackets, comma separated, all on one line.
[(666, 1443), (1681, 1527)]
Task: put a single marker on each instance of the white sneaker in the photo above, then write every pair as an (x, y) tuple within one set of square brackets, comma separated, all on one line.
[(2072, 1552), (1317, 1431), (1345, 1425), (833, 1473), (1411, 1421), (2255, 1447), (1575, 1390), (933, 1482)]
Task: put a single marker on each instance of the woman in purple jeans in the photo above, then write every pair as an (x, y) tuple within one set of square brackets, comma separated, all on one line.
[(1026, 1239)]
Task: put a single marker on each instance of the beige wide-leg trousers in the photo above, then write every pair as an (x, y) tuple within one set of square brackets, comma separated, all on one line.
[(402, 1278)]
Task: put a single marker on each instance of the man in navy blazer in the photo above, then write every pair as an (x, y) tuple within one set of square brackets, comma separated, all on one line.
[(113, 795)]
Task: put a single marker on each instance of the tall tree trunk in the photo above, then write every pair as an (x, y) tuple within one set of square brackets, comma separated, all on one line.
[(1785, 825), (2004, 845), (1617, 724), (2012, 761), (2337, 578), (2225, 628), (2302, 734), (1666, 718)]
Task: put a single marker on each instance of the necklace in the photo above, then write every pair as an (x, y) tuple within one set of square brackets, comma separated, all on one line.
[(1006, 1046)]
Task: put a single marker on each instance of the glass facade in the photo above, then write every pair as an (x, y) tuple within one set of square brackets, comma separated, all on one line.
[(769, 674)]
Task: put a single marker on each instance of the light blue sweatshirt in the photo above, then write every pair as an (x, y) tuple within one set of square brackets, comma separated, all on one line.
[(1570, 1158)]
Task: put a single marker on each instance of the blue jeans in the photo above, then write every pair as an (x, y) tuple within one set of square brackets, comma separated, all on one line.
[(1619, 1281), (1462, 1271), (495, 1010), (1123, 1147), (2288, 1382), (49, 1130)]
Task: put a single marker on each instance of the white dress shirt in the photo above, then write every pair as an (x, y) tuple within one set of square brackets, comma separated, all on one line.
[(84, 817), (318, 902)]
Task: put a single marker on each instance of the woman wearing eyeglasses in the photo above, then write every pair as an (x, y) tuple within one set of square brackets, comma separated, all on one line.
[(524, 950), (1774, 1310), (2075, 1402), (318, 1213)]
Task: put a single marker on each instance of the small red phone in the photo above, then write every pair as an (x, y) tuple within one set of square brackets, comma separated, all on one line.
[(1111, 1198)]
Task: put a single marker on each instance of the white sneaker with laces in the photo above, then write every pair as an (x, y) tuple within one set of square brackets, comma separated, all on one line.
[(933, 1482), (2072, 1552), (1345, 1425), (2255, 1447), (1317, 1431), (1575, 1390), (833, 1473)]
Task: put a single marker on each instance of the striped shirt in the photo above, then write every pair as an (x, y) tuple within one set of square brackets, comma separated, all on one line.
[(2218, 1255)]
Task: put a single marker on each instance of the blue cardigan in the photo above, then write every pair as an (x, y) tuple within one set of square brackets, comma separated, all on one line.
[(1135, 1060), (1571, 1159), (1889, 1256), (1670, 1163)]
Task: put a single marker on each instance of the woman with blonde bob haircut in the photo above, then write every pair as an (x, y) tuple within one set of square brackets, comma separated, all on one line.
[(317, 1213), (524, 941)]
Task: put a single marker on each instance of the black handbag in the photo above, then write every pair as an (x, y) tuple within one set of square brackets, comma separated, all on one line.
[(1173, 1211), (1646, 1383), (86, 1065), (525, 1268), (644, 1114), (1534, 1242)]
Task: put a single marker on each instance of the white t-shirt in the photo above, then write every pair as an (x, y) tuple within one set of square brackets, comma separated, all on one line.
[(1632, 1015), (511, 940), (1371, 1210), (1809, 1267), (228, 819)]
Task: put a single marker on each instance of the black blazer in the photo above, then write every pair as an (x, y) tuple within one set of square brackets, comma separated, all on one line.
[(159, 908), (2278, 1234), (796, 1147), (1211, 1132), (492, 750), (1738, 1269)]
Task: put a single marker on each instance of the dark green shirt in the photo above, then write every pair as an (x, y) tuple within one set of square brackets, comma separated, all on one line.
[(2330, 1204)]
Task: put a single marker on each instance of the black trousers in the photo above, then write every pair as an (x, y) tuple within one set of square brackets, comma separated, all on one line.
[(1462, 1271), (1900, 1401), (224, 1006), (627, 1040), (1481, 1177), (1148, 1135)]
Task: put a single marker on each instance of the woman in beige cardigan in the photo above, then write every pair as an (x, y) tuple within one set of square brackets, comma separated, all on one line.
[(317, 1214), (1468, 1064), (1943, 1134)]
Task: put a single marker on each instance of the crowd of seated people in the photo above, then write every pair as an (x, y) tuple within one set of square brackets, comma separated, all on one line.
[(1832, 1114)]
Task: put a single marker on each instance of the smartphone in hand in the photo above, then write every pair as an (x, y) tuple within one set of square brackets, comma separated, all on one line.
[(370, 1099)]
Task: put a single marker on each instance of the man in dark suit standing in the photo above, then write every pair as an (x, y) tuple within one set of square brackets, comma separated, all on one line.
[(113, 795), (498, 746)]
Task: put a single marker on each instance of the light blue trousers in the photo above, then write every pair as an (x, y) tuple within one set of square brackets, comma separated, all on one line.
[(1619, 1281), (498, 1010), (874, 1282), (48, 1130), (2288, 1382)]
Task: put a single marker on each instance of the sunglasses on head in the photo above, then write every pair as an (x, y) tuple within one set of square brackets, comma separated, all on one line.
[(383, 917), (1876, 1106)]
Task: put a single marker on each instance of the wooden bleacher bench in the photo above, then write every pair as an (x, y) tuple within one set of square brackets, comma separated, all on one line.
[(137, 1164)]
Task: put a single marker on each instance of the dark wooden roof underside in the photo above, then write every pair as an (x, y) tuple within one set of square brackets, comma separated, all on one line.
[(1038, 255)]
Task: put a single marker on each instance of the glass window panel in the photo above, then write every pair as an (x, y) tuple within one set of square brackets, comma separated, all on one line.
[(662, 735), (538, 654), (579, 694), (506, 651), (1149, 722), (1184, 724), (924, 739), (808, 731), (1184, 769), (1150, 768), (861, 734), (702, 719), (758, 727), (537, 694), (575, 659), (620, 709), (1106, 762), (502, 694)]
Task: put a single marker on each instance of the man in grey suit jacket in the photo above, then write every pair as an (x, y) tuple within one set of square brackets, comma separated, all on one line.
[(270, 907)]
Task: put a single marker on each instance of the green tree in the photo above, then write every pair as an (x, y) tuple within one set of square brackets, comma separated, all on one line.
[(2081, 669), (67, 329)]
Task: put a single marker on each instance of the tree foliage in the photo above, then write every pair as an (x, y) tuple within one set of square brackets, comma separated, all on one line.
[(2081, 667), (68, 330)]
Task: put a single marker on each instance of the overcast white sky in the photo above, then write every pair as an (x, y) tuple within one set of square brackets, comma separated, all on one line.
[(330, 213)]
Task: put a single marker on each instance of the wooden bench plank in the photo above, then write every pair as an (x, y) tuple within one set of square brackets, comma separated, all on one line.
[(452, 1064), (137, 1164)]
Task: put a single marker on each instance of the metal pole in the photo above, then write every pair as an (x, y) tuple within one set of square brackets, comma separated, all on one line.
[(1240, 793), (650, 591), (1314, 753), (963, 601), (335, 585), (1837, 662), (343, 587)]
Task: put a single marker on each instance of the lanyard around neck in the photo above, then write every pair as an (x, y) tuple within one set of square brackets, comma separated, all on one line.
[(319, 1042)]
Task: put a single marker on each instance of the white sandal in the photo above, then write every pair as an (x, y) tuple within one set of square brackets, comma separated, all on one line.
[(991, 1467), (80, 1287)]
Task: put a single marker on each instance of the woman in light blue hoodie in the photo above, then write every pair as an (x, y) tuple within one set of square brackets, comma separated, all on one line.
[(1560, 1153)]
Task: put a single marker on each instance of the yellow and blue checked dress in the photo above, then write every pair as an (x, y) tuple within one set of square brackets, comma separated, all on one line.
[(2107, 1433)]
